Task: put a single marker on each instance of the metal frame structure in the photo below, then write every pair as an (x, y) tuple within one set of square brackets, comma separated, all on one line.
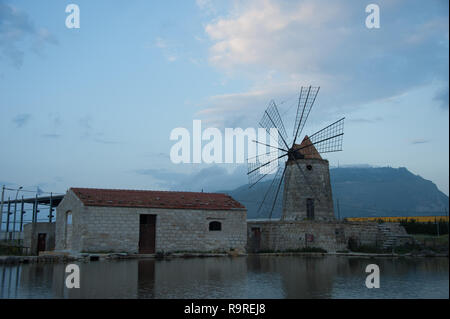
[(52, 201), (329, 139)]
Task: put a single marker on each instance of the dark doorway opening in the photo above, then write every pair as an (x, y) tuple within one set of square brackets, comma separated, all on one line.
[(41, 241), (310, 208), (256, 239), (147, 234)]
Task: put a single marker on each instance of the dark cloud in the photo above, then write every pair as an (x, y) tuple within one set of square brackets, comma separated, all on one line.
[(55, 136), (420, 141), (442, 98), (15, 28), (21, 119), (105, 141)]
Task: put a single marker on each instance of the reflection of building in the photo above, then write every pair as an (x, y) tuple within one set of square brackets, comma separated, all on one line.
[(99, 280), (101, 220)]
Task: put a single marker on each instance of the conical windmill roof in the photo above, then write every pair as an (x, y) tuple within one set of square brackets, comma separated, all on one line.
[(308, 152)]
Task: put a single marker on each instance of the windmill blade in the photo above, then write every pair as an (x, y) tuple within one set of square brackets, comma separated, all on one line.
[(271, 198), (272, 119), (262, 166), (305, 103), (327, 140), (276, 194)]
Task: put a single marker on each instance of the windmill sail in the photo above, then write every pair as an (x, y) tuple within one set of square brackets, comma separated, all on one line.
[(327, 140), (272, 198), (272, 119), (305, 103)]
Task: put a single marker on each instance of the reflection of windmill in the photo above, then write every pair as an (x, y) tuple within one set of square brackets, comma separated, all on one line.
[(306, 188)]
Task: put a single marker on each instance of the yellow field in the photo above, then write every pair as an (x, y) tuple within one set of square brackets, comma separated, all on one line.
[(420, 219)]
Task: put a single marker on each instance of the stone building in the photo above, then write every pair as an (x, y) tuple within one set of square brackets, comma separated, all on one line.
[(39, 237), (106, 220), (308, 218), (307, 188)]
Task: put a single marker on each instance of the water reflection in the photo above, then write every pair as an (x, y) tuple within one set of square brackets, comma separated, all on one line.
[(244, 277)]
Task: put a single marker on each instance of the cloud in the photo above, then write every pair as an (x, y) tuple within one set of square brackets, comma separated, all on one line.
[(21, 119), (366, 120), (16, 31), (88, 132), (280, 45), (442, 98), (54, 136), (160, 43), (420, 141), (209, 179), (167, 50), (207, 6)]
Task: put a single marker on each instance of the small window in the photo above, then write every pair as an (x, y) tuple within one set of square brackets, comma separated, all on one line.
[(69, 218), (309, 167), (215, 226)]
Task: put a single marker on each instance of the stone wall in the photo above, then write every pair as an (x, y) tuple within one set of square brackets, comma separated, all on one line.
[(331, 236), (31, 232), (116, 229), (313, 183)]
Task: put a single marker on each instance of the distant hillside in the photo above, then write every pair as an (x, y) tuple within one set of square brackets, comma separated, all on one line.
[(366, 191)]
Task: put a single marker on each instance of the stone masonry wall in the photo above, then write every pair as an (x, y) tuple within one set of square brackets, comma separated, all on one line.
[(290, 235), (116, 229), (314, 183), (31, 232)]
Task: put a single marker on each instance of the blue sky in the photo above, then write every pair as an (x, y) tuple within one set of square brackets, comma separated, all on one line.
[(94, 107)]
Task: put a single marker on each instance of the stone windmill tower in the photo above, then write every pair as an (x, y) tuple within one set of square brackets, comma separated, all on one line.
[(306, 189)]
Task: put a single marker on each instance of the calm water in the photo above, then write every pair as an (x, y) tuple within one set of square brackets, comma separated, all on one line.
[(243, 277)]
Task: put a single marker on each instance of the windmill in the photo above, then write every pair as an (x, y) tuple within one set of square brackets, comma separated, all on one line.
[(306, 188)]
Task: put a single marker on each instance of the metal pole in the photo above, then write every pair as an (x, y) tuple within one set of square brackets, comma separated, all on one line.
[(51, 209), (35, 209), (15, 211), (14, 219), (21, 215), (1, 208), (32, 214), (7, 218)]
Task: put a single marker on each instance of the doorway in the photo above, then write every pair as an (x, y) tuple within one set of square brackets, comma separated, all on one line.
[(256, 239), (310, 208), (147, 234), (41, 241)]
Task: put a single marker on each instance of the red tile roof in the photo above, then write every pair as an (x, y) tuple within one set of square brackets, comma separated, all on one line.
[(155, 199), (308, 152)]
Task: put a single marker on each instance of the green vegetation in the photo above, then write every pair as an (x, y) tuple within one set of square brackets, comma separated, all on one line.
[(430, 228), (12, 250), (368, 249)]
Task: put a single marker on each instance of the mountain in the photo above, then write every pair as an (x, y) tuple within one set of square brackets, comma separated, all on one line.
[(363, 192)]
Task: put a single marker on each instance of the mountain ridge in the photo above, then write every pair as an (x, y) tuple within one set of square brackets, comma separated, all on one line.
[(364, 192)]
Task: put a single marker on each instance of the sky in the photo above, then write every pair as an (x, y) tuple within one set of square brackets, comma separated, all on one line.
[(95, 106)]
